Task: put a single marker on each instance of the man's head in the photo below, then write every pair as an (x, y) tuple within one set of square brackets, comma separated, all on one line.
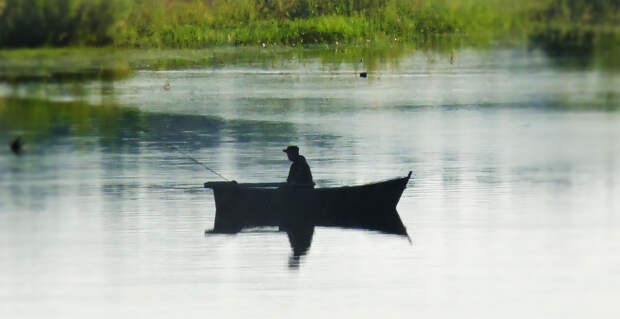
[(292, 151)]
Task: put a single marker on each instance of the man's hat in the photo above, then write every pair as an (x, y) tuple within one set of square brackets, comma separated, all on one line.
[(291, 148)]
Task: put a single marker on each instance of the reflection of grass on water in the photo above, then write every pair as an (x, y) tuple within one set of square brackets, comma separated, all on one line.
[(80, 64), (41, 119), (62, 64), (580, 46), (332, 57)]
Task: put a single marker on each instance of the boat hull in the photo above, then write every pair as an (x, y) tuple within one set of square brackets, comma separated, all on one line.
[(370, 206)]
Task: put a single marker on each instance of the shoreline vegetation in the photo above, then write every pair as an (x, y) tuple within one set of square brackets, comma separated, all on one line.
[(75, 64), (208, 23), (77, 40)]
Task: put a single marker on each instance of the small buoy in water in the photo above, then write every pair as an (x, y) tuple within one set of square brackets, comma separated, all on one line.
[(363, 75), (16, 146), (167, 86)]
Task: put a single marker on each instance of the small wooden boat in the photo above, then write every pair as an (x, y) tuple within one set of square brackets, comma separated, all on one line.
[(370, 206)]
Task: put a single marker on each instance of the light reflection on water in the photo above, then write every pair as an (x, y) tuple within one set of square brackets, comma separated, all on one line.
[(513, 207)]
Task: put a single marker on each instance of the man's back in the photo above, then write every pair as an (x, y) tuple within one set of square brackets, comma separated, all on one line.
[(300, 172)]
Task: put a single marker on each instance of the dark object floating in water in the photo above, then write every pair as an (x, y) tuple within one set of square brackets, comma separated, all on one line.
[(363, 75), (16, 146), (370, 206)]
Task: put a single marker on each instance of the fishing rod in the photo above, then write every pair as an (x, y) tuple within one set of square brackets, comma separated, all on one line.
[(144, 129), (198, 162)]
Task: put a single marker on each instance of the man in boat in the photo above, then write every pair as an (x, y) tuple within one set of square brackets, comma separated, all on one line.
[(299, 174)]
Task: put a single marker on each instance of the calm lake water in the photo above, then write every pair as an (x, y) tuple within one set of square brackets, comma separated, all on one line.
[(513, 209)]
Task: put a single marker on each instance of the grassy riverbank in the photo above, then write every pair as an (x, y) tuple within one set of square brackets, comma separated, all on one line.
[(302, 22), (205, 23)]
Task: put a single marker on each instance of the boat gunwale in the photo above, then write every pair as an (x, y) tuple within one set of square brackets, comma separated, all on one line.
[(276, 187)]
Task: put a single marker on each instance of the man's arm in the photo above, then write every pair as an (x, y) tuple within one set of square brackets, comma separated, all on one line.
[(291, 174)]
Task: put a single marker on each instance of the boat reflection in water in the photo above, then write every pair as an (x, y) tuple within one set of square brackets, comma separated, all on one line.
[(297, 210)]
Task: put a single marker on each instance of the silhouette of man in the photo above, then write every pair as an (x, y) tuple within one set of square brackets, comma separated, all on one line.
[(299, 174)]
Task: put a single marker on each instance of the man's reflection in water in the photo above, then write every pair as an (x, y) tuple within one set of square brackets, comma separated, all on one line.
[(300, 238), (298, 224)]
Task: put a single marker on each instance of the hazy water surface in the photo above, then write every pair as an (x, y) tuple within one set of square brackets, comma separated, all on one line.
[(513, 210)]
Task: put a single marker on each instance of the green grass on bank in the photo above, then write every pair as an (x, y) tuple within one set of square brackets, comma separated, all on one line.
[(204, 23), (254, 22)]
